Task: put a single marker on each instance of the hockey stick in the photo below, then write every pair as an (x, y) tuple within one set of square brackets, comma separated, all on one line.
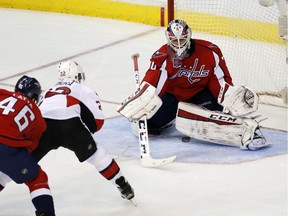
[(146, 159)]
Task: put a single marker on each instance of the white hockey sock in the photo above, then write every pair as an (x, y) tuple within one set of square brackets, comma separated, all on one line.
[(105, 165)]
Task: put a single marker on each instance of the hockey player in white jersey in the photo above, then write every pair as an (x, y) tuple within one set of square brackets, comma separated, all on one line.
[(73, 113)]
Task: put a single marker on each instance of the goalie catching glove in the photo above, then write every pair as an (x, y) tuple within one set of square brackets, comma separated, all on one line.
[(145, 101), (238, 100)]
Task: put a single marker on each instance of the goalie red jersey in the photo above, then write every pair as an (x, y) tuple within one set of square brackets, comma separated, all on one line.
[(21, 120), (70, 99), (204, 67)]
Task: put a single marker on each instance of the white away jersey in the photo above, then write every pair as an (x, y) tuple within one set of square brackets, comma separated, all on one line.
[(68, 100)]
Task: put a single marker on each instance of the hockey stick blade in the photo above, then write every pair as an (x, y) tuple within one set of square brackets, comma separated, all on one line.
[(148, 161)]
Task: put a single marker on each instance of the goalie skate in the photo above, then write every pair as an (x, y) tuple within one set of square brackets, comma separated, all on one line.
[(258, 141)]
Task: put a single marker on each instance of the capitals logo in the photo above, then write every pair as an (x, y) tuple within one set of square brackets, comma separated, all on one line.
[(192, 74)]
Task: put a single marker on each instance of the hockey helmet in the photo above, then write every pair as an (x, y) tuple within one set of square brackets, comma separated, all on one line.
[(30, 87), (70, 71), (178, 36)]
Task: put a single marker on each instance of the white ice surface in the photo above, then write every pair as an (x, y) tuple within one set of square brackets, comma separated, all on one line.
[(34, 42)]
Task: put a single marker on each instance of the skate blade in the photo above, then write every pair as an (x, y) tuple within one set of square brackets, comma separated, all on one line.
[(133, 202)]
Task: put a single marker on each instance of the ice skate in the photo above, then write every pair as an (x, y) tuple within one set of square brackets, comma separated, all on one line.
[(40, 213), (258, 141), (125, 188)]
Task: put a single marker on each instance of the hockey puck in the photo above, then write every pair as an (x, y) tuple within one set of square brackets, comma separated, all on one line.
[(186, 139)]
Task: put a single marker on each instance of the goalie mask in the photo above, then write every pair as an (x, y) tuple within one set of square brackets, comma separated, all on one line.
[(70, 71), (178, 36)]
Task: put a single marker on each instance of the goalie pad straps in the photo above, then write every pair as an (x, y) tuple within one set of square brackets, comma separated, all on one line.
[(216, 127), (142, 102), (237, 100)]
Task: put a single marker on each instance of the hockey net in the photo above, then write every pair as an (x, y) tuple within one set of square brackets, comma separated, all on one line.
[(247, 34)]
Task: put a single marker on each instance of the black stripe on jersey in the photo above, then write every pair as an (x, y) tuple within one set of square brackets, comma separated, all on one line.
[(88, 118)]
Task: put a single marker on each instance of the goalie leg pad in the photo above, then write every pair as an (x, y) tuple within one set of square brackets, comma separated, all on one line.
[(215, 127), (143, 102)]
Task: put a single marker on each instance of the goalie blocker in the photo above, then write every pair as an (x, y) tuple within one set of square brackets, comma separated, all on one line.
[(218, 127), (145, 101)]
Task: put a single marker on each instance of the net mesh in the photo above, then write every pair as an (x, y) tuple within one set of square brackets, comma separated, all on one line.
[(247, 34)]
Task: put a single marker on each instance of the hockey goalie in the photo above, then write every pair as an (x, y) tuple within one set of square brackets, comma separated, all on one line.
[(188, 84)]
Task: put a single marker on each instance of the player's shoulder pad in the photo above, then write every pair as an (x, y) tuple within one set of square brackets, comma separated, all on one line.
[(209, 45), (5, 92), (89, 91), (159, 56)]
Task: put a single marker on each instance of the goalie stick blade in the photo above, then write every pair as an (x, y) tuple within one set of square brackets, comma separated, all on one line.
[(147, 161)]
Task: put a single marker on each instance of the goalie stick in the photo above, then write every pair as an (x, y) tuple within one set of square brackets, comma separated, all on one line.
[(146, 159)]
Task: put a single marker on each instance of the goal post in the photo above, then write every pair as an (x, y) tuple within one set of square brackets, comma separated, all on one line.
[(248, 35), (170, 6)]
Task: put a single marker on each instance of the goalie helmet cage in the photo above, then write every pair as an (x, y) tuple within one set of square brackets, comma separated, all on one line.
[(247, 34)]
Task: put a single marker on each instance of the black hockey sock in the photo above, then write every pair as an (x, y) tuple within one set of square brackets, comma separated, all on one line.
[(44, 205)]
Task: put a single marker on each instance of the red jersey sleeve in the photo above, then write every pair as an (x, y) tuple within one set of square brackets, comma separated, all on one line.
[(156, 75)]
